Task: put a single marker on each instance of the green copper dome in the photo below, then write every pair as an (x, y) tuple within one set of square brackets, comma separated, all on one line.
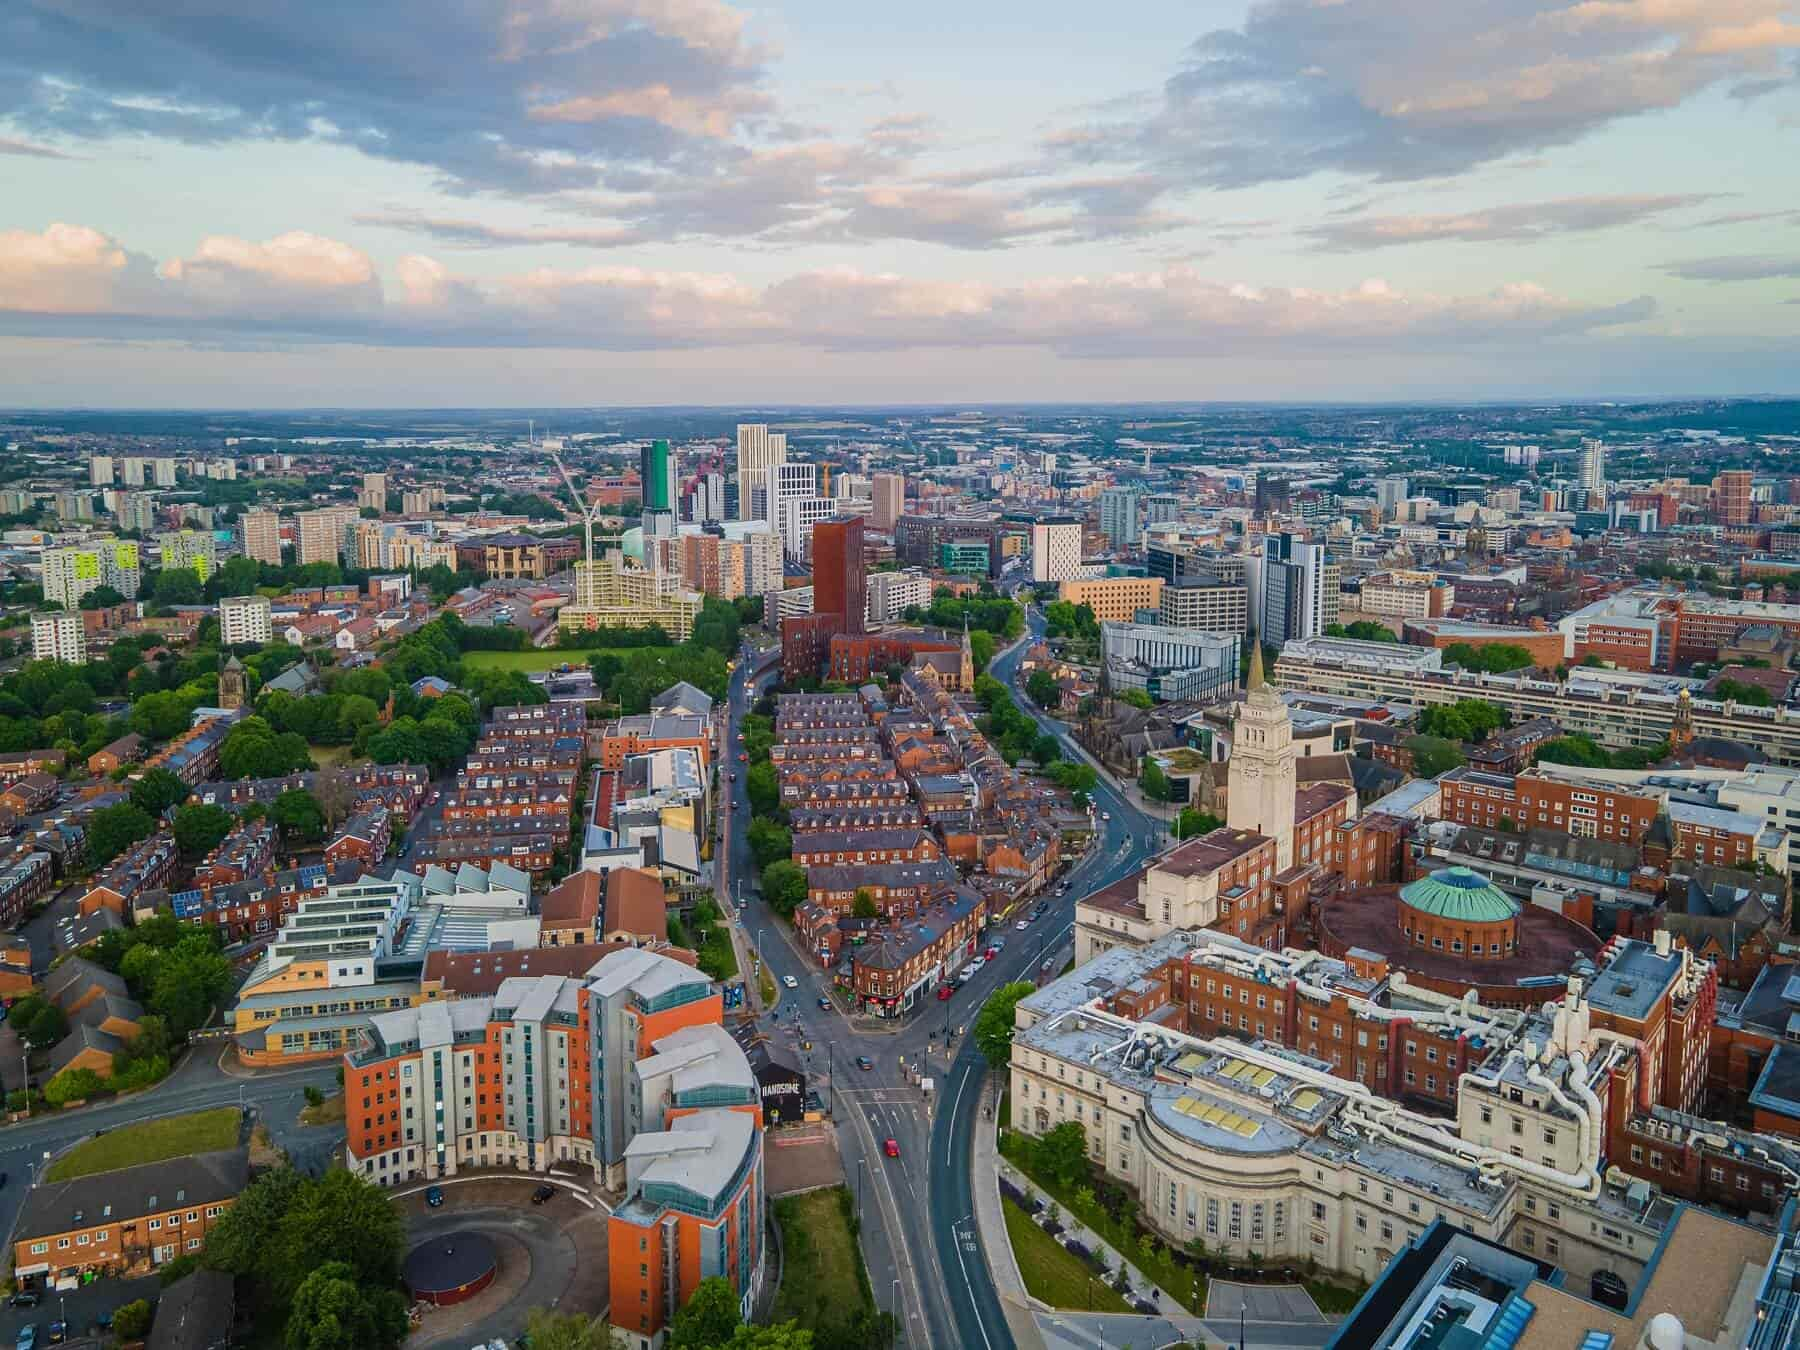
[(632, 544), (1461, 894)]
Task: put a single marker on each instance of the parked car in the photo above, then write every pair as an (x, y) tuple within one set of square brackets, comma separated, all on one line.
[(434, 1196), (25, 1298), (542, 1193), (27, 1336), (944, 991), (59, 1332), (977, 964), (1022, 924)]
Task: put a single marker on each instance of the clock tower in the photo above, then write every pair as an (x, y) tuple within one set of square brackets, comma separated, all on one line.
[(1261, 773)]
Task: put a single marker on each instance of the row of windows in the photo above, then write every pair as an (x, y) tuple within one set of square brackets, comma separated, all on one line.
[(104, 1235)]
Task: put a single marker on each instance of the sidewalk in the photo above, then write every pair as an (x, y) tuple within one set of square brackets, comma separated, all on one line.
[(990, 1223)]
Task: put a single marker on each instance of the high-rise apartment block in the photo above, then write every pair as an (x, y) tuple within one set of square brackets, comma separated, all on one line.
[(70, 573), (1389, 493), (656, 475), (1731, 496), (890, 500), (1056, 550), (190, 549), (321, 533), (840, 582), (163, 472), (137, 512), (132, 470), (100, 470), (782, 483), (373, 496), (259, 532), (1593, 473), (58, 637), (245, 618), (758, 448)]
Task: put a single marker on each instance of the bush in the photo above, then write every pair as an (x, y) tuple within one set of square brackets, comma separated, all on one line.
[(131, 1321), (72, 1085)]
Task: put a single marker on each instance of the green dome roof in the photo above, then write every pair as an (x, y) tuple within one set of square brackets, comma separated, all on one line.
[(1462, 894), (632, 544)]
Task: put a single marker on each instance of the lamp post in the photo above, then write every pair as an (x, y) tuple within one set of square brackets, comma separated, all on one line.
[(895, 1302), (861, 1165), (831, 1080)]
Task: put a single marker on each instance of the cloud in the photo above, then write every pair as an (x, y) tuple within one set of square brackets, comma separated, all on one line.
[(1745, 218), (1517, 221), (305, 289), (1745, 268), (31, 150), (521, 95), (1409, 89), (464, 233)]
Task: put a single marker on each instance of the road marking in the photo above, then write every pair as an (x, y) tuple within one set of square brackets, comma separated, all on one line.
[(957, 1229), (953, 1110)]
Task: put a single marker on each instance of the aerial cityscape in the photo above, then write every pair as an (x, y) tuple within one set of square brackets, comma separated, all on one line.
[(680, 677)]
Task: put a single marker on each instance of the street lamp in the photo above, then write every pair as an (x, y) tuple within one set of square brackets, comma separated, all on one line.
[(896, 1303), (861, 1166), (831, 1080)]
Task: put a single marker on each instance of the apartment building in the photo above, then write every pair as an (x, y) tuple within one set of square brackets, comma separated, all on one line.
[(246, 618), (1406, 595), (320, 533), (891, 594), (71, 572), (1056, 550), (59, 637), (259, 534)]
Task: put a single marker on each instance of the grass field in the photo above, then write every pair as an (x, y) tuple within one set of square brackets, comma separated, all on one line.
[(1057, 1277), (150, 1141), (821, 1276), (540, 658)]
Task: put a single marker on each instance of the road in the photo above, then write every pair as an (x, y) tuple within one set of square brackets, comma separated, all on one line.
[(940, 1285)]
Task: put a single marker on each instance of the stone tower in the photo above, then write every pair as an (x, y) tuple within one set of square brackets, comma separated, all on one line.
[(1261, 772), (233, 688), (968, 659)]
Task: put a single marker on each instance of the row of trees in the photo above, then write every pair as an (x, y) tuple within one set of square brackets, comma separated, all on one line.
[(1495, 658), (1014, 733), (1363, 630)]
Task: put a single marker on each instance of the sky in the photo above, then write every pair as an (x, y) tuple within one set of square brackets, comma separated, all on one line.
[(238, 203)]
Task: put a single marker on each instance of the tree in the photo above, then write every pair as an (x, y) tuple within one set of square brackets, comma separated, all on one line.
[(199, 829), (102, 597), (113, 829), (994, 1023), (72, 1085), (1492, 658), (245, 1239), (298, 814), (178, 586), (253, 749), (1062, 1153), (157, 791), (1042, 689), (1432, 755), (708, 1319), (981, 649), (1153, 782), (1192, 822), (862, 904), (781, 1336), (763, 789), (548, 1330), (189, 979), (1735, 691), (1137, 698), (784, 887), (131, 1321), (41, 1025), (768, 840), (334, 1310), (162, 715)]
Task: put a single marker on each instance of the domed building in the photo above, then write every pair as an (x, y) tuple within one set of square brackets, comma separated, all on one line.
[(1455, 930), (1458, 910)]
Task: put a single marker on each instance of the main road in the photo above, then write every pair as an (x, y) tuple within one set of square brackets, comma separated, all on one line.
[(924, 1256)]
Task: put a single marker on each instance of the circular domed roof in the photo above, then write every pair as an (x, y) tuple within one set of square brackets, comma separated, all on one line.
[(632, 543), (1462, 894)]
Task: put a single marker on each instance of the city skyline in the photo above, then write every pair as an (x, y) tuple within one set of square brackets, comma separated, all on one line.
[(697, 203)]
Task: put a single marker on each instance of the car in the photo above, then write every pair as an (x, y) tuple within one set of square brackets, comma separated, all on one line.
[(990, 954), (542, 1193), (25, 1298), (434, 1196), (27, 1336), (824, 1004), (788, 981), (864, 1063), (977, 964), (734, 775), (1022, 924), (944, 991), (743, 758), (59, 1332), (891, 1147), (1106, 815)]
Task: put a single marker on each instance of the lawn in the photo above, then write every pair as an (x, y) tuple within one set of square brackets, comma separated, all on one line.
[(150, 1141), (542, 658), (330, 756), (822, 1275), (1058, 1277)]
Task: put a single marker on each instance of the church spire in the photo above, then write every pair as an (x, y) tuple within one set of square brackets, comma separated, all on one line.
[(1255, 681)]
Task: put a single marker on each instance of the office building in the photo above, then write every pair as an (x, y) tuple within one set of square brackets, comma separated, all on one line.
[(1056, 550), (1161, 507), (889, 491), (1272, 495), (964, 557), (372, 496), (59, 636), (100, 470), (1119, 517), (245, 618), (1205, 603), (656, 475), (194, 550), (1299, 589), (259, 534), (70, 573), (758, 448), (1389, 493), (1170, 663), (1593, 473), (320, 534), (613, 592), (1115, 599)]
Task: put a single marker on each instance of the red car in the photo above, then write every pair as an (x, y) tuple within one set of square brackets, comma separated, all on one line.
[(944, 992), (743, 758), (891, 1148)]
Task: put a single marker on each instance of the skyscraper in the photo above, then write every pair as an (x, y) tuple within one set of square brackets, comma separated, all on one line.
[(1119, 517), (1593, 473), (1389, 493), (839, 585), (260, 534), (656, 471), (758, 448), (321, 533), (1056, 550), (100, 470), (781, 483), (1299, 589)]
